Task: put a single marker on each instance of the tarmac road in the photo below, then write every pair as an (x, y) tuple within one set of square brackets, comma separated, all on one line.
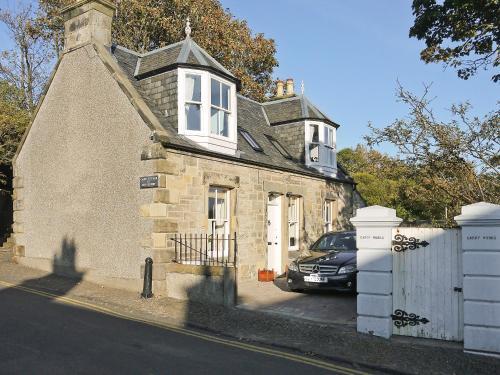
[(43, 333)]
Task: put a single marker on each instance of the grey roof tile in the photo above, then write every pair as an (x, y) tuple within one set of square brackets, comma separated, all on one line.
[(292, 109), (254, 117)]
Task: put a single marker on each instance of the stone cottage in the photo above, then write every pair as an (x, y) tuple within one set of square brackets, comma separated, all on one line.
[(128, 150)]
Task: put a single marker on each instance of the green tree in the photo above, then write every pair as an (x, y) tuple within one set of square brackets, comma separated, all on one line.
[(464, 34), (453, 163), (25, 64), (144, 25), (14, 119)]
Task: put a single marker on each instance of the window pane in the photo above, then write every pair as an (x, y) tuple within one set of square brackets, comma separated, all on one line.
[(314, 152), (292, 209), (193, 117), (214, 120), (224, 131), (193, 88), (215, 92), (251, 141), (221, 207), (292, 230), (314, 133), (225, 96), (211, 204)]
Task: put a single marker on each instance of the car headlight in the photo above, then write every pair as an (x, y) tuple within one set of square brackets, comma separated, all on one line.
[(347, 269), (293, 266)]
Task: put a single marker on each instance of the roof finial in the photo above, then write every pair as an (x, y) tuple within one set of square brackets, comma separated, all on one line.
[(187, 30), (302, 87)]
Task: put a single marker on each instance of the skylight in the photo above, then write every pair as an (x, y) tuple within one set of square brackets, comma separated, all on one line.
[(279, 147), (251, 140)]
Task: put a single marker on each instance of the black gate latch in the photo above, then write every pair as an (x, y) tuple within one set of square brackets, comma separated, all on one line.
[(457, 289)]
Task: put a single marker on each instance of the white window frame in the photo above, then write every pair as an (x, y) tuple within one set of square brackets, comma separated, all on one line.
[(204, 137), (327, 163), (219, 108), (328, 207), (226, 222), (294, 221)]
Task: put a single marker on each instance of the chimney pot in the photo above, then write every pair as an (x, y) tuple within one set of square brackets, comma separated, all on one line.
[(87, 21), (279, 88), (289, 86)]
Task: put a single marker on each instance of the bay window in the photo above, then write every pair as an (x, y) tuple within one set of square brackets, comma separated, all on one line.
[(320, 147), (207, 110)]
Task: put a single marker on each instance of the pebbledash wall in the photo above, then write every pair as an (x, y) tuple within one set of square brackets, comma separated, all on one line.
[(77, 199), (76, 177)]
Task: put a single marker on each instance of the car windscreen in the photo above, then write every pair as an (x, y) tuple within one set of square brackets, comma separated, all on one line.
[(336, 241)]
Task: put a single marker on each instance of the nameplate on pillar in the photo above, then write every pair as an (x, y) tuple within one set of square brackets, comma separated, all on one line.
[(481, 238)]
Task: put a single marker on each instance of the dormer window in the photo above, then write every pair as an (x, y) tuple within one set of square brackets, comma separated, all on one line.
[(207, 110), (320, 147)]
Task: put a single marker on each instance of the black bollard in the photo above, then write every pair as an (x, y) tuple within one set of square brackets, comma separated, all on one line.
[(147, 291)]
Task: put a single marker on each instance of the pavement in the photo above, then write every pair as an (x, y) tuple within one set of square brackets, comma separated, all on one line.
[(318, 306), (22, 323)]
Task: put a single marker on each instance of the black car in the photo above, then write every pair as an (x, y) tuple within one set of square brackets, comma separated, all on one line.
[(331, 265)]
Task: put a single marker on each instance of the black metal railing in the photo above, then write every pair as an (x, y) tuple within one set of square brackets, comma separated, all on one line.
[(205, 249)]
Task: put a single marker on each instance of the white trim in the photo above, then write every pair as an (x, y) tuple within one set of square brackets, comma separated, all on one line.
[(322, 166), (328, 221), (296, 222), (212, 142)]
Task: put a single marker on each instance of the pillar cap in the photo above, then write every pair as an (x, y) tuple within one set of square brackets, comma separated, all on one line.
[(376, 216), (479, 214)]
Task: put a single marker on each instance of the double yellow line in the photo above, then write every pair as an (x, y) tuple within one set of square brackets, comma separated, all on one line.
[(272, 352)]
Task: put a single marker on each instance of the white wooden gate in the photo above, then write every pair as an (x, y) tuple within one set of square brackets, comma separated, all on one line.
[(427, 283)]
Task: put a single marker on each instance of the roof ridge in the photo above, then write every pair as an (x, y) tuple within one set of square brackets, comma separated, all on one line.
[(127, 50), (303, 106), (184, 53), (281, 100), (207, 55), (161, 49), (249, 99)]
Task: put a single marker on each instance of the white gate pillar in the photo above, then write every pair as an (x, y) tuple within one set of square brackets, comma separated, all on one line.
[(480, 224), (374, 259)]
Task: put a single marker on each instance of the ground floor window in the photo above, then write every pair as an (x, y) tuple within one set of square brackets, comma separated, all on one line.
[(218, 212), (293, 223), (328, 208)]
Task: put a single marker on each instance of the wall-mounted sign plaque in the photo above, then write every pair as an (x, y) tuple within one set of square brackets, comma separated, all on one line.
[(148, 182)]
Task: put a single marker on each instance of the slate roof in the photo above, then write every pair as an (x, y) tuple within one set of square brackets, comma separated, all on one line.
[(253, 117), (292, 109), (184, 53)]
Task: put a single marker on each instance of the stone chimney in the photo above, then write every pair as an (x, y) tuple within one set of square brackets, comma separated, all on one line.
[(87, 21), (279, 88), (289, 87)]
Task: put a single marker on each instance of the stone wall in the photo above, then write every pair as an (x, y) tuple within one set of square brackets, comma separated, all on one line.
[(180, 205)]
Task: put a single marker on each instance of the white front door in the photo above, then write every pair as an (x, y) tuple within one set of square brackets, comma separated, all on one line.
[(274, 233)]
